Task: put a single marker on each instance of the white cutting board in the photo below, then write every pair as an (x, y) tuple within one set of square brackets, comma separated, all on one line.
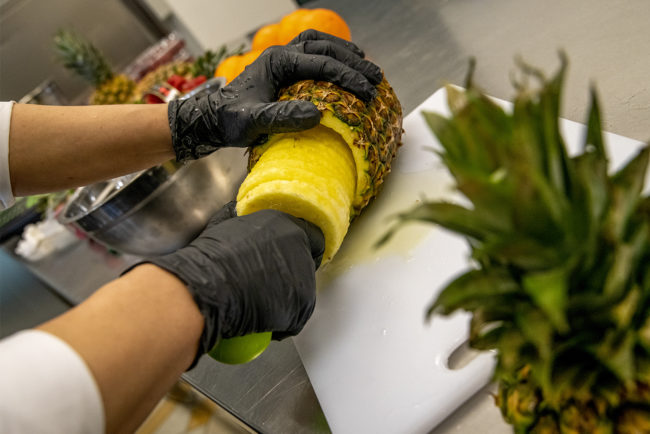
[(375, 364)]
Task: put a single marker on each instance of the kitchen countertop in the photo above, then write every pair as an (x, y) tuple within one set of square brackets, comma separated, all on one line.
[(421, 44)]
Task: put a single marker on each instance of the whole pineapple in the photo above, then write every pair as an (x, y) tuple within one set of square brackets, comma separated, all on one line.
[(328, 174), (82, 57), (561, 287)]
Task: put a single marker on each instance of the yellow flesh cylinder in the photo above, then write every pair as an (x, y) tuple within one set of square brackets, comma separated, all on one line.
[(310, 175)]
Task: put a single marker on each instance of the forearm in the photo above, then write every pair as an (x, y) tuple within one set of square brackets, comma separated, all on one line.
[(54, 148), (137, 334)]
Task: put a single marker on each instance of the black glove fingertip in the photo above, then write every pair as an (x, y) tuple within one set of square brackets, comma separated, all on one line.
[(366, 91), (316, 240), (287, 116), (315, 35), (374, 73), (228, 211)]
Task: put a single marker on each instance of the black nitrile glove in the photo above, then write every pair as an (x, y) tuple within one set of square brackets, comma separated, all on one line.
[(245, 110), (250, 274)]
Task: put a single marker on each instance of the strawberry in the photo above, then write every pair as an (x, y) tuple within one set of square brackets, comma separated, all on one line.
[(176, 81)]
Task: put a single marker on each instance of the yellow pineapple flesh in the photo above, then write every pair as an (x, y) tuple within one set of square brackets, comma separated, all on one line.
[(328, 174), (310, 175)]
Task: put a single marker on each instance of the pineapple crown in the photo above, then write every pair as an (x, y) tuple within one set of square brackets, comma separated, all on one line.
[(561, 247), (207, 63), (82, 57)]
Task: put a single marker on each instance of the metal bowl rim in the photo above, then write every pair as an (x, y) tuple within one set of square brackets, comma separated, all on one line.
[(90, 217)]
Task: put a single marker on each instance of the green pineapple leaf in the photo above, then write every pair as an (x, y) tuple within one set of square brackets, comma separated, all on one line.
[(82, 57), (616, 351), (626, 187), (561, 288), (207, 63), (450, 216), (549, 291), (626, 258), (474, 288), (594, 137)]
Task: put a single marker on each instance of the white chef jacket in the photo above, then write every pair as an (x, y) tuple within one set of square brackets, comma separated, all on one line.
[(6, 195), (45, 385)]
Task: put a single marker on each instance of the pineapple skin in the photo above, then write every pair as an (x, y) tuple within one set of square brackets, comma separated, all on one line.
[(373, 130), (117, 90)]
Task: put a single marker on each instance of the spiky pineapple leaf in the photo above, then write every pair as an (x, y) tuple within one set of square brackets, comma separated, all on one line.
[(474, 288), (623, 312), (79, 55), (626, 258), (207, 63), (549, 291), (644, 334), (626, 186), (594, 136), (448, 215), (536, 329), (590, 199), (616, 351), (522, 252)]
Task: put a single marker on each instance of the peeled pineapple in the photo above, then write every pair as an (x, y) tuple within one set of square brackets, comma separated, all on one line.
[(328, 174)]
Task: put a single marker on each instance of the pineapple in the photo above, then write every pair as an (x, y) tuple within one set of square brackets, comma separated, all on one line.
[(325, 175), (86, 60), (328, 174), (561, 287), (160, 75), (207, 63)]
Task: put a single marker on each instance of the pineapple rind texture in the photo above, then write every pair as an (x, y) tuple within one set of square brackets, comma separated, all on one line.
[(372, 131), (562, 288), (117, 90)]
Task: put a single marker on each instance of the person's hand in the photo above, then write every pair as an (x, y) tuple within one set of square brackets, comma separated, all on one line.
[(245, 110), (249, 274)]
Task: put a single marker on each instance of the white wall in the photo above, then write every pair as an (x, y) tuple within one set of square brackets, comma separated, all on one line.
[(27, 28), (217, 22)]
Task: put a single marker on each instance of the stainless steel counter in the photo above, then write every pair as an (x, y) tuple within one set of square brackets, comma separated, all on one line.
[(421, 44)]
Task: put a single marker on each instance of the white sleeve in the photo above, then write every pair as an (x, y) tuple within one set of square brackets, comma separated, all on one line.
[(46, 387), (6, 195)]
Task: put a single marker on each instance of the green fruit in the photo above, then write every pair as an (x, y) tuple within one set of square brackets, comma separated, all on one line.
[(240, 349)]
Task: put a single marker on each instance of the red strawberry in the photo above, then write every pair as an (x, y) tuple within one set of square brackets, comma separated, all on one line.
[(152, 99), (191, 84), (176, 81)]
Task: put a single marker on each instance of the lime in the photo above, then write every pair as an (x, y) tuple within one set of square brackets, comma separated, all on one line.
[(240, 349)]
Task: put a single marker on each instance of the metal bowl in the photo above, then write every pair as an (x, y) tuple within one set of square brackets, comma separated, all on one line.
[(158, 210)]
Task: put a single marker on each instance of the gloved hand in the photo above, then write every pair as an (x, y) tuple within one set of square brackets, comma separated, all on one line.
[(250, 274), (242, 112)]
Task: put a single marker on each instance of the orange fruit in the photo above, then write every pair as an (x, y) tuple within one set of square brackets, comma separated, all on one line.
[(228, 68), (320, 19), (266, 36), (232, 66)]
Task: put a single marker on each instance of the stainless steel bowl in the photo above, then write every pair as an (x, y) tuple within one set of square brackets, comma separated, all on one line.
[(160, 209)]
